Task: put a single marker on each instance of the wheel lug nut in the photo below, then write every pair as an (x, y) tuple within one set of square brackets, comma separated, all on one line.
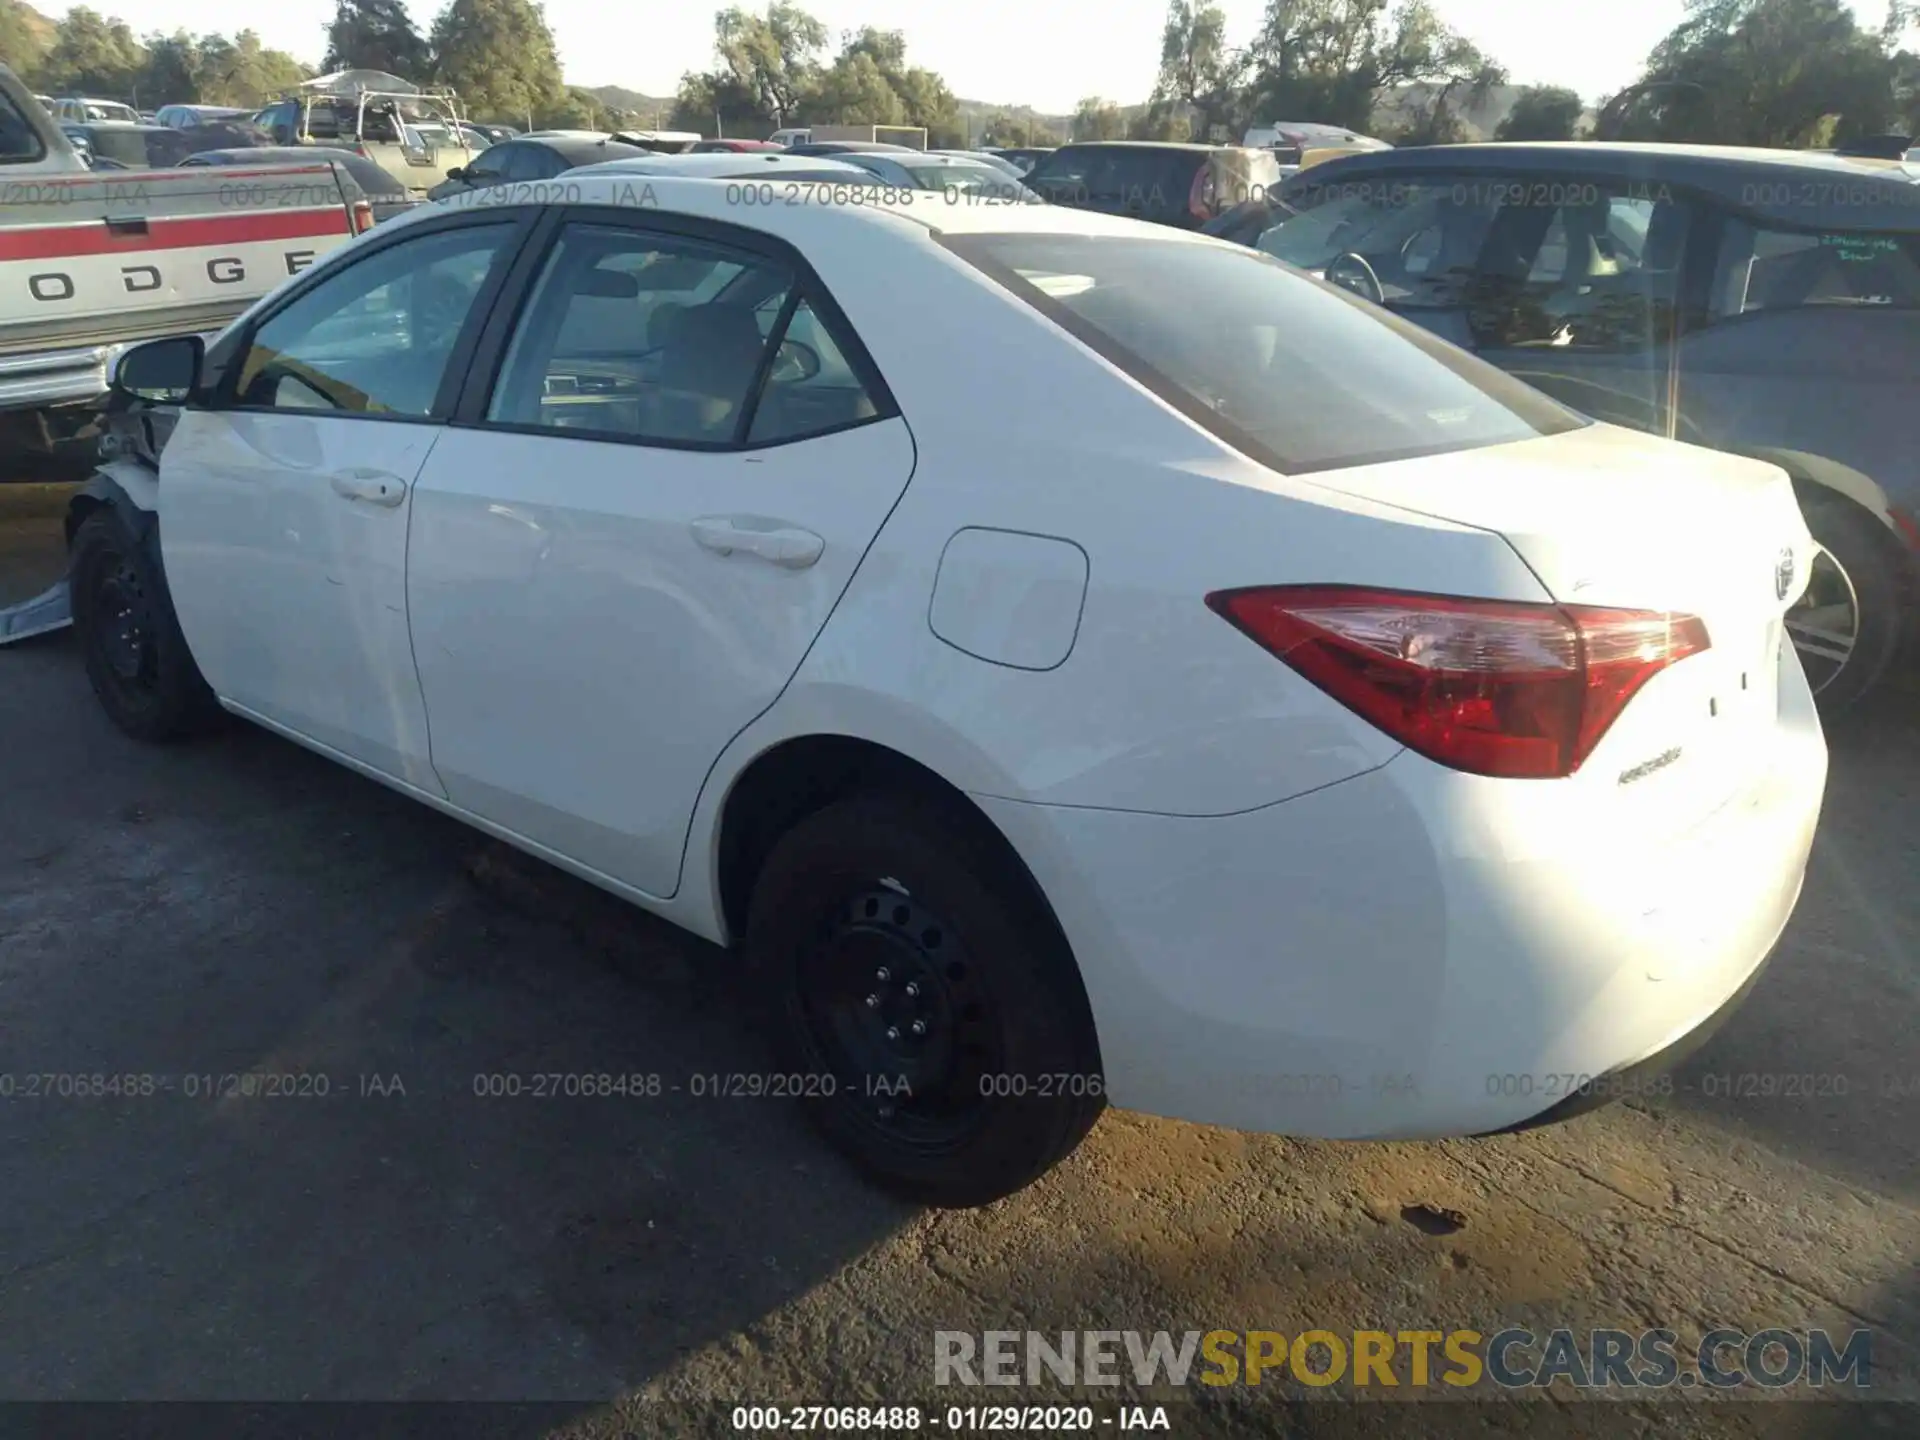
[(893, 1032), (919, 1027), (912, 989), (873, 1002), (883, 974)]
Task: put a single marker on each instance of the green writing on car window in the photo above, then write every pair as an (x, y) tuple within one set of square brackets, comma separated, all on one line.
[(1861, 249)]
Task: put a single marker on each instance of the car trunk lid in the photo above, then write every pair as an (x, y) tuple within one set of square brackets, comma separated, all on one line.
[(1609, 517)]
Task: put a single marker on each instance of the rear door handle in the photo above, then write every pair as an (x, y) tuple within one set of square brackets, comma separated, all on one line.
[(376, 487), (773, 540)]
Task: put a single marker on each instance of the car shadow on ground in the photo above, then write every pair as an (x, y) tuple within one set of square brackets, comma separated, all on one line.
[(243, 908), (436, 1198)]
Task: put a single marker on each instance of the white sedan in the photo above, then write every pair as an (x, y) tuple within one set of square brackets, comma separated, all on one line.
[(1272, 717)]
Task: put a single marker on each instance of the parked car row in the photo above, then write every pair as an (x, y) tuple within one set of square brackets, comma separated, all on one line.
[(1622, 305)]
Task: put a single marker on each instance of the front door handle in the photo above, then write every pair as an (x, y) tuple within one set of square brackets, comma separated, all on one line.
[(773, 540), (376, 487)]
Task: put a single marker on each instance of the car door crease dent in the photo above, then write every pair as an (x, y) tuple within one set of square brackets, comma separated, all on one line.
[(686, 837), (406, 594)]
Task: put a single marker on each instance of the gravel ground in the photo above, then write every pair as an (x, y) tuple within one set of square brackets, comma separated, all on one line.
[(241, 906)]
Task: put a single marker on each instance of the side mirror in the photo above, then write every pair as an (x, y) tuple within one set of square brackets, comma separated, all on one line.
[(458, 172), (161, 372)]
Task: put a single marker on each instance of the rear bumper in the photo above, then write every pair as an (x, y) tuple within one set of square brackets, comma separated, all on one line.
[(1403, 955), (1639, 1077)]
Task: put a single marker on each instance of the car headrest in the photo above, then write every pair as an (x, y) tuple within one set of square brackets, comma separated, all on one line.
[(609, 285)]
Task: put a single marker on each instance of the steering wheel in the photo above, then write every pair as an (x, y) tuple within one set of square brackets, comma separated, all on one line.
[(1352, 272)]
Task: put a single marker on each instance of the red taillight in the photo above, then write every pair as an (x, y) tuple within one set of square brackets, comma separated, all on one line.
[(1908, 526), (362, 217), (1200, 195), (1491, 687)]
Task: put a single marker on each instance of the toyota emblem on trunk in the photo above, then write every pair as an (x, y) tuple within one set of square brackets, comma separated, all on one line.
[(1783, 575)]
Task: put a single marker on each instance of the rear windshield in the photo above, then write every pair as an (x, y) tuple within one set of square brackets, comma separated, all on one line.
[(971, 179), (1296, 373)]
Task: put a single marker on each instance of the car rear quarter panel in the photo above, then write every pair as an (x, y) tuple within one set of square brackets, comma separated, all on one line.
[(1161, 706), (1823, 381)]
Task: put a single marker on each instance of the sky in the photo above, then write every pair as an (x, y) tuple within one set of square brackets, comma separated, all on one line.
[(1003, 51)]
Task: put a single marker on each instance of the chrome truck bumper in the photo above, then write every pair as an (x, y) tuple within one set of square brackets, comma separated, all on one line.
[(48, 611), (56, 377)]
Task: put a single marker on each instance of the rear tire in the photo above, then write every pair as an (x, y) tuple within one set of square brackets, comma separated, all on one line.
[(137, 660), (891, 939), (1852, 620)]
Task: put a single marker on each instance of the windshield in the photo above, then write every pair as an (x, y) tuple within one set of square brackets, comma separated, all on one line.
[(107, 110), (969, 178), (1295, 373), (138, 149)]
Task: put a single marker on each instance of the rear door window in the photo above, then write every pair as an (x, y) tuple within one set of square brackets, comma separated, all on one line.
[(1240, 345), (20, 143), (1580, 266), (531, 162), (1767, 268)]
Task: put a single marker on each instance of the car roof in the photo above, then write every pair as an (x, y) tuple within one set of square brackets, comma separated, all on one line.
[(1812, 189), (728, 164), (580, 150), (712, 197), (1184, 146), (853, 147)]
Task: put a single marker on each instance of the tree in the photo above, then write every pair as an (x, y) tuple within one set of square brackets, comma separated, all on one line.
[(1004, 129), (1762, 72), (1163, 120), (853, 91), (772, 57), (25, 35), (375, 35), (719, 102), (1097, 119), (871, 61), (499, 56), (1198, 73), (1332, 61), (242, 71), (1542, 112), (92, 55), (170, 75)]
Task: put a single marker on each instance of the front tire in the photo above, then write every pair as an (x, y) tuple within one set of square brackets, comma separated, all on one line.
[(1849, 625), (890, 939), (137, 660)]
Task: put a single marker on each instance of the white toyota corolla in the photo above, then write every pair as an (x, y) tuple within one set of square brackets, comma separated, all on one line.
[(1069, 661)]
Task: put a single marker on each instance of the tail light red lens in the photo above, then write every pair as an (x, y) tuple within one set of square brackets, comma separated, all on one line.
[(362, 217), (1200, 195), (1490, 687), (1908, 526)]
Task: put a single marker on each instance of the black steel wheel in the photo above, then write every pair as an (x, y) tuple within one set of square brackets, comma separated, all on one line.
[(136, 658), (889, 995), (908, 969)]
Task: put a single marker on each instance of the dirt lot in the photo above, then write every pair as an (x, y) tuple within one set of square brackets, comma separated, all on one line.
[(240, 906)]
